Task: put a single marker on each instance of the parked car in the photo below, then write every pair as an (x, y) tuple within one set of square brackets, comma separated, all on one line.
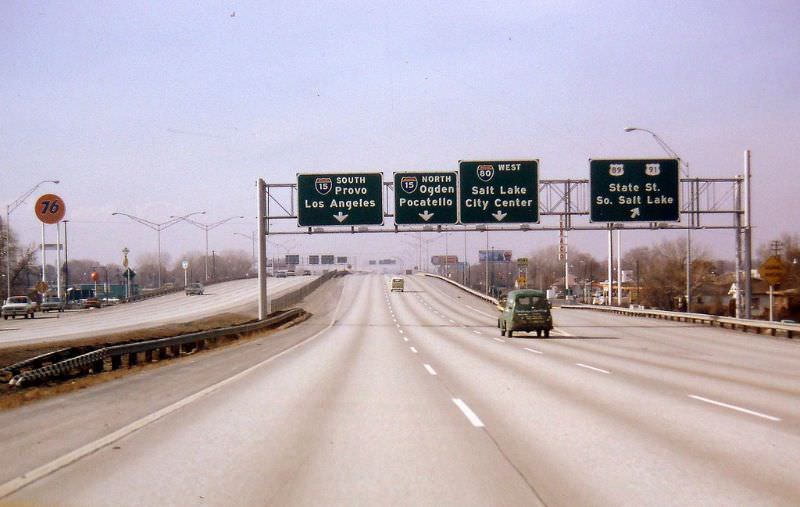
[(52, 303), (18, 305), (92, 303), (526, 310), (195, 289)]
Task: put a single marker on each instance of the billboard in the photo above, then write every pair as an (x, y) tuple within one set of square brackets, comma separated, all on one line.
[(313, 259), (341, 260), (494, 255), (292, 259), (327, 259), (442, 260)]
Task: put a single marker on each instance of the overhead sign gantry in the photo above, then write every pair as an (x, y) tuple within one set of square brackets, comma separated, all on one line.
[(499, 191), (625, 190), (425, 198), (339, 199)]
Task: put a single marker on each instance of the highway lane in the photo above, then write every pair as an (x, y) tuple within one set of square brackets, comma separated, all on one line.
[(239, 296), (415, 398), (349, 417)]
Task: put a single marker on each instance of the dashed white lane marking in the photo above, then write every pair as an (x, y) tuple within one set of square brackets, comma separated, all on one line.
[(734, 407), (398, 326), (532, 350), (499, 340), (471, 416), (452, 321), (476, 332), (430, 369), (413, 350), (478, 311), (592, 368), (401, 331), (405, 339)]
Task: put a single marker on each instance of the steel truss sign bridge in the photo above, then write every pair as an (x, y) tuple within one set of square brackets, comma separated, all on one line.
[(506, 196)]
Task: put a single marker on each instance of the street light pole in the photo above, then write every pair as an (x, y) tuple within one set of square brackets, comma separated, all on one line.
[(672, 153), (206, 228), (158, 227), (9, 209)]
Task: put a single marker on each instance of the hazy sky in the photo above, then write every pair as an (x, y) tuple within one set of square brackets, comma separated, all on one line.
[(164, 108)]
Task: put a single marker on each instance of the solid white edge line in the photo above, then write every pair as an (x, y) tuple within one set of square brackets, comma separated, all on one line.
[(34, 475), (471, 416), (532, 350), (593, 368), (413, 350), (734, 407), (430, 369)]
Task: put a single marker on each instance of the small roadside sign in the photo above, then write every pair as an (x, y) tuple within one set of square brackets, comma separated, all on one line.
[(50, 209), (773, 270), (522, 262), (41, 287)]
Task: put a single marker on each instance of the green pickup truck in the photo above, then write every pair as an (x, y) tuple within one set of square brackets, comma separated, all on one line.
[(525, 310)]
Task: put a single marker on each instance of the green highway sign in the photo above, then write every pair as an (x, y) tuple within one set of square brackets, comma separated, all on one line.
[(425, 198), (624, 190), (339, 199), (499, 191)]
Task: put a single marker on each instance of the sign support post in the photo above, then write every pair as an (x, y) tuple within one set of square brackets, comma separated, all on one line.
[(771, 303), (58, 261), (263, 301)]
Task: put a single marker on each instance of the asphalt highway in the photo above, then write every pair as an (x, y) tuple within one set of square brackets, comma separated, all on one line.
[(414, 398), (238, 296)]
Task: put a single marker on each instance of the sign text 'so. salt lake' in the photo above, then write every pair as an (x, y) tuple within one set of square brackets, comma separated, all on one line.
[(425, 198), (339, 199), (499, 191)]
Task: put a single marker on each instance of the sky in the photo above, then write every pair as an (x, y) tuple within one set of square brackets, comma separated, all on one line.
[(160, 109)]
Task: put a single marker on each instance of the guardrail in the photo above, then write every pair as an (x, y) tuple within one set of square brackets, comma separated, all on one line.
[(64, 362), (111, 357), (465, 288), (759, 326)]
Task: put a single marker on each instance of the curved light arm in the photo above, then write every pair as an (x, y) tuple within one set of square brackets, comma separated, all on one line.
[(664, 146), (174, 220), (156, 226), (142, 221), (206, 227), (16, 204)]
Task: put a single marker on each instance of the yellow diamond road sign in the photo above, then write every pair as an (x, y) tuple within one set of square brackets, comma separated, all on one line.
[(772, 271)]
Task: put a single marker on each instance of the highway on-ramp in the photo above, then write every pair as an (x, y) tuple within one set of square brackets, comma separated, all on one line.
[(414, 398), (240, 296)]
